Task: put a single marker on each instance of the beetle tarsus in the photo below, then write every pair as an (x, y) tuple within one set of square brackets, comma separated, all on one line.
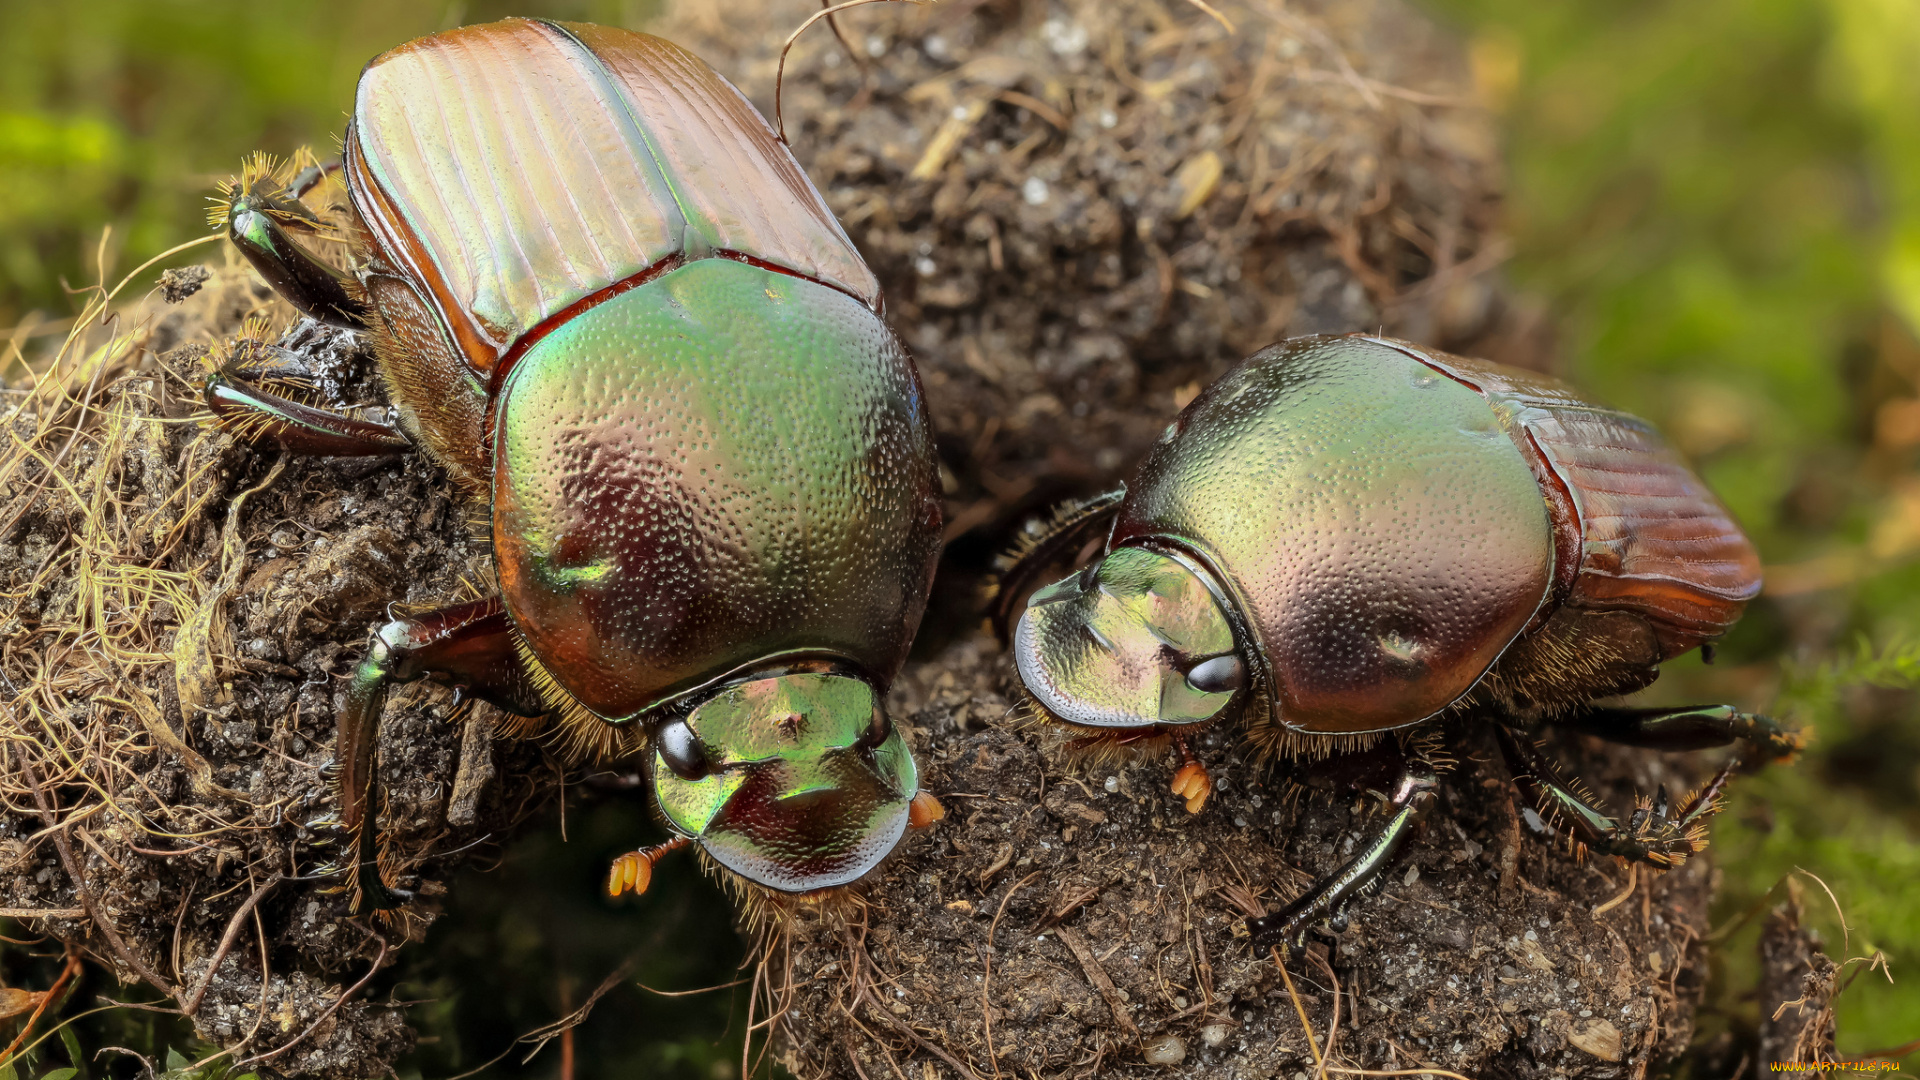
[(1652, 834), (1328, 898)]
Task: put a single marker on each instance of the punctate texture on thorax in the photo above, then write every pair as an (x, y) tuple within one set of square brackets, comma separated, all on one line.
[(718, 467), (1383, 534)]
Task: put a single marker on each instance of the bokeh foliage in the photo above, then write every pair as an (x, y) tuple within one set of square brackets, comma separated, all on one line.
[(128, 111), (1719, 201)]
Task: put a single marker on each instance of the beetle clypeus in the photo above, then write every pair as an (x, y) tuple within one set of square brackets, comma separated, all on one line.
[(1344, 537), (604, 296)]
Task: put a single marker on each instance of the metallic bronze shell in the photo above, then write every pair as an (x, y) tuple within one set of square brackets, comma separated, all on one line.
[(1638, 531), (512, 169), (724, 466), (1382, 535)]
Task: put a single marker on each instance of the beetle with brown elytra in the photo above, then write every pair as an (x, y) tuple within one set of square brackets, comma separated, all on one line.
[(605, 298), (1355, 544)]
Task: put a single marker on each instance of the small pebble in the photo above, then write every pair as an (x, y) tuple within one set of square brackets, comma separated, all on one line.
[(1213, 1034), (1413, 875), (1034, 191), (1112, 785), (1167, 1049)]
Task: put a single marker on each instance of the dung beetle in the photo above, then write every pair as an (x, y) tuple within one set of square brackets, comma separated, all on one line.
[(1345, 537), (603, 295)]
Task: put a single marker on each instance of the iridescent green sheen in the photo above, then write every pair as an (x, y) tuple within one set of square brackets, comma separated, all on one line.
[(1371, 522), (793, 801), (719, 469), (1375, 523), (606, 291), (1111, 646)]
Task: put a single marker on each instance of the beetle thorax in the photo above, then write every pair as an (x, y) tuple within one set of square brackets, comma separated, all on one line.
[(715, 470)]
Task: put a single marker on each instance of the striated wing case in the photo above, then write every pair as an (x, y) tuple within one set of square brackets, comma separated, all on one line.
[(517, 168), (1636, 529)]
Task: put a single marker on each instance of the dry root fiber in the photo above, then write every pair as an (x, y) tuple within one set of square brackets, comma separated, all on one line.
[(1081, 211)]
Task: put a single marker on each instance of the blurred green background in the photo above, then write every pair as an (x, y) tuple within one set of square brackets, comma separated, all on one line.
[(1717, 200)]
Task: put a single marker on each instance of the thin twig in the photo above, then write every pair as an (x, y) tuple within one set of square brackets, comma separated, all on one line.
[(986, 960), (780, 69), (53, 992), (1333, 1025), (1214, 14), (1633, 883), (1098, 976), (690, 993), (65, 848), (1396, 1073), (226, 943), (325, 1016), (1313, 1044)]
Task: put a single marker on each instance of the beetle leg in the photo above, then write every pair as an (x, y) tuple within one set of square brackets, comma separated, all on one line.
[(1191, 781), (1696, 727), (1328, 897), (254, 213), (1651, 835), (309, 178), (470, 646), (260, 415), (633, 872), (1041, 546)]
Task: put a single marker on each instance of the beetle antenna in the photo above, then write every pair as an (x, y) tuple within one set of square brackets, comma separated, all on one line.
[(780, 69), (845, 45)]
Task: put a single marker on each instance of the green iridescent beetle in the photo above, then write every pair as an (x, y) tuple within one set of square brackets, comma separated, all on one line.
[(605, 297), (1345, 537)]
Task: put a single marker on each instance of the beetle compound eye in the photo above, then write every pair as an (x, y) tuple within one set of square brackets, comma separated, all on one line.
[(1090, 576), (680, 748), (877, 731), (1220, 675)]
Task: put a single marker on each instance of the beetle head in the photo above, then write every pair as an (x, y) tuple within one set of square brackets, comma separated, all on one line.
[(795, 781), (1135, 639)]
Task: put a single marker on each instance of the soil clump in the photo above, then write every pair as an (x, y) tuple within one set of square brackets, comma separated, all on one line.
[(1081, 212)]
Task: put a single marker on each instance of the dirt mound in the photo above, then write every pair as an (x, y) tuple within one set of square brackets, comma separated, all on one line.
[(1081, 212)]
